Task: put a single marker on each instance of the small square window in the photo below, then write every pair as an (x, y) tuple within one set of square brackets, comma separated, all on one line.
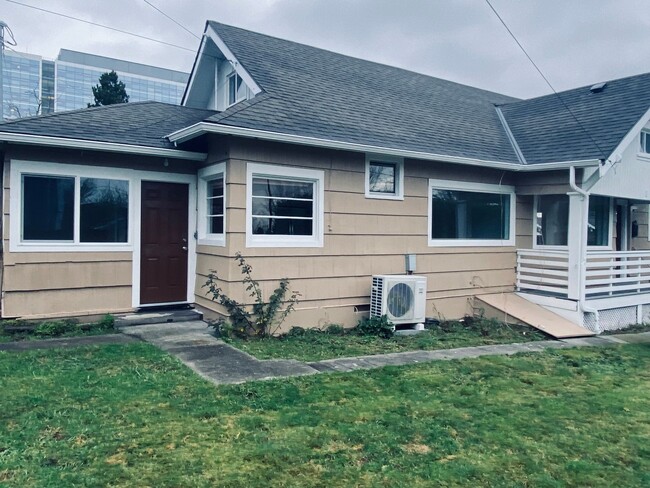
[(384, 179)]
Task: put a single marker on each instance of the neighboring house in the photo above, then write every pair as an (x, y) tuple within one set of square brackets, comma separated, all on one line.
[(328, 169)]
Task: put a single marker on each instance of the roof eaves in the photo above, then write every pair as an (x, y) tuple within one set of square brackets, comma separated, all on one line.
[(201, 128), (32, 139)]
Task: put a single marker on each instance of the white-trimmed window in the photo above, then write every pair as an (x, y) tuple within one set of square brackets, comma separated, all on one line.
[(645, 141), (284, 206), (384, 178), (56, 207), (551, 222), (471, 214), (236, 89), (212, 205)]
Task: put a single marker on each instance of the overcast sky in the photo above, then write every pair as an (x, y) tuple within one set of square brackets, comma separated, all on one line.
[(575, 42)]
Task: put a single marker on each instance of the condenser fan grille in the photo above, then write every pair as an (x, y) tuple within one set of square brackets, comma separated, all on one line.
[(400, 300)]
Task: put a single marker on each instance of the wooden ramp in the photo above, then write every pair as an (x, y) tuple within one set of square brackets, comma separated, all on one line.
[(530, 313)]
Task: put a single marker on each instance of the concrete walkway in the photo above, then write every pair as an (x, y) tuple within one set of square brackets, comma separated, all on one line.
[(220, 363)]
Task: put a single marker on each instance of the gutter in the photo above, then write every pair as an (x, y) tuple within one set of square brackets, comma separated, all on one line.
[(199, 128), (582, 302), (31, 139)]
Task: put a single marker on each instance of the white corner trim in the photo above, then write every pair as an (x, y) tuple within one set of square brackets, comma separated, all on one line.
[(475, 187), (228, 54), (100, 146), (199, 128), (399, 170), (317, 177), (205, 175)]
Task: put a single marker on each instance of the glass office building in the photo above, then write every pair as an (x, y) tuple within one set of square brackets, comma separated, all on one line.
[(33, 85)]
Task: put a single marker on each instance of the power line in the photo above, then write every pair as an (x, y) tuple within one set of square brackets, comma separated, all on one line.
[(172, 19), (102, 26), (602, 153)]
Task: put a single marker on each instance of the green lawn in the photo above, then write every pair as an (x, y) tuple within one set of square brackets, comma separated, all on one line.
[(133, 416), (315, 345)]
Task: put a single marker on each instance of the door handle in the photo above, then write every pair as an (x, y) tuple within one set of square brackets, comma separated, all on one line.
[(184, 248)]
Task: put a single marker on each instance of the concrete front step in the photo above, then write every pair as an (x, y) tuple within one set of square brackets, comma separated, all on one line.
[(157, 317)]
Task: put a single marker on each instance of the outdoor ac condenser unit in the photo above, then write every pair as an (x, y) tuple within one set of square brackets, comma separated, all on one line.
[(401, 297)]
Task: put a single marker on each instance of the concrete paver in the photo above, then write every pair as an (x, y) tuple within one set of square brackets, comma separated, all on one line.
[(195, 345)]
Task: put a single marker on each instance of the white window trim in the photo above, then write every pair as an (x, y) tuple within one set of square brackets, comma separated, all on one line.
[(610, 233), (20, 168), (643, 137), (290, 173), (135, 178), (234, 74), (479, 188), (204, 176), (399, 183)]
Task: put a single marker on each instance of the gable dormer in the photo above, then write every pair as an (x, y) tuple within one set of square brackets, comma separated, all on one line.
[(218, 80)]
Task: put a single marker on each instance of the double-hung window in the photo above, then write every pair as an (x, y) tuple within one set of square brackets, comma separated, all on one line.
[(470, 214), (53, 208), (284, 206), (384, 178), (212, 205), (236, 89)]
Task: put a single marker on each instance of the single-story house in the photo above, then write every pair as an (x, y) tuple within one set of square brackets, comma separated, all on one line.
[(327, 170)]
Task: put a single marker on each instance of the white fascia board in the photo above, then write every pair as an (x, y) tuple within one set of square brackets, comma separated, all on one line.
[(207, 127), (228, 54), (100, 146), (625, 142)]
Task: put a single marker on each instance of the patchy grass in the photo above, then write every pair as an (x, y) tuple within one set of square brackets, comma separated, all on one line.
[(633, 329), (21, 330), (130, 415), (314, 345)]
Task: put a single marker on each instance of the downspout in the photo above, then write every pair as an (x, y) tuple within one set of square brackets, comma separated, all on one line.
[(582, 302)]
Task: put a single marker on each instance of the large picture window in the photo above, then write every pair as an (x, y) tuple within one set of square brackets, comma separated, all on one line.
[(284, 206), (57, 207), (212, 205), (463, 213)]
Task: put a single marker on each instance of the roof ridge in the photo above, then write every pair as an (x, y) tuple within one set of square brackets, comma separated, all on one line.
[(377, 63)]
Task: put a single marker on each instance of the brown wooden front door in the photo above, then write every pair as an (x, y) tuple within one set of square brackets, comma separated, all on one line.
[(163, 248)]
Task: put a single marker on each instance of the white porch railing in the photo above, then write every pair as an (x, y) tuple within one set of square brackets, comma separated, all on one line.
[(617, 272), (543, 271), (607, 273)]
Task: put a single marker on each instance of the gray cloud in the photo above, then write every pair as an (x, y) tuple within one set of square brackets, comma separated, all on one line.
[(575, 43)]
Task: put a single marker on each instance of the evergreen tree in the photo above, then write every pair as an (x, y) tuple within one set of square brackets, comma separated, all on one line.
[(109, 90)]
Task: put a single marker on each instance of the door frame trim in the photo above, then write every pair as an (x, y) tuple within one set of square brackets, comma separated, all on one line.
[(190, 180)]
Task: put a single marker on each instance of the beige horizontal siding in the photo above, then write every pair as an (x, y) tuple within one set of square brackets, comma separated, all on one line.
[(362, 237)]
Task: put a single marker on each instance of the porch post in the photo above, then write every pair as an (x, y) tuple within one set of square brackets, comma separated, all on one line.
[(577, 244)]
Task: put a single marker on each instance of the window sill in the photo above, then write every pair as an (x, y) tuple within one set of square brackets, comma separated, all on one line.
[(470, 243), (384, 196), (643, 156), (212, 241), (47, 247), (254, 241)]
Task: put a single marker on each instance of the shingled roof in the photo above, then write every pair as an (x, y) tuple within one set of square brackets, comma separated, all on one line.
[(139, 123), (317, 93), (545, 128)]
